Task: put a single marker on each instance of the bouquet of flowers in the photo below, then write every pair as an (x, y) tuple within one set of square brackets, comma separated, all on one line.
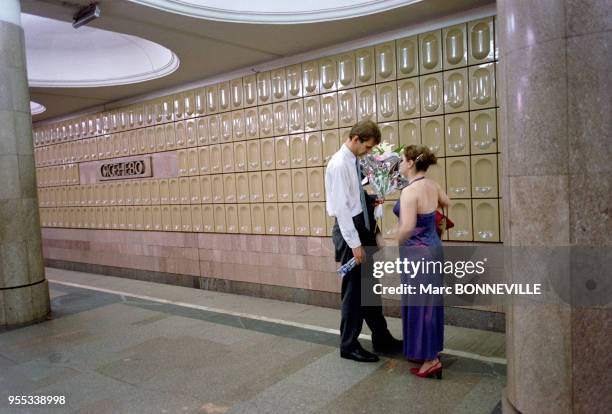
[(381, 168)]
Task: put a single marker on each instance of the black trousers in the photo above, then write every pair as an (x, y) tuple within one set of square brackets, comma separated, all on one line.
[(353, 311)]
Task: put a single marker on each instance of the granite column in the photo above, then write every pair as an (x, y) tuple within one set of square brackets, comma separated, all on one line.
[(24, 291), (554, 85)]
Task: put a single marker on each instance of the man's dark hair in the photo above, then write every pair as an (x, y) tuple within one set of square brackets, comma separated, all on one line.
[(366, 130)]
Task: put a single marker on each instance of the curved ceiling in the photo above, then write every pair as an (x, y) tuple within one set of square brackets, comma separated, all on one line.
[(209, 49), (60, 56), (275, 11)]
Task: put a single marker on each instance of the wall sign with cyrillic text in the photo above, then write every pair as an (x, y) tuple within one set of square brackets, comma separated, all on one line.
[(126, 168)]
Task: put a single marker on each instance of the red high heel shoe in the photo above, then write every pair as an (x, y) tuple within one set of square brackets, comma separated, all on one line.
[(434, 371)]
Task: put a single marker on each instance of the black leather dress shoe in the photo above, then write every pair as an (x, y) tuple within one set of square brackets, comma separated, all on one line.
[(389, 346), (359, 355)]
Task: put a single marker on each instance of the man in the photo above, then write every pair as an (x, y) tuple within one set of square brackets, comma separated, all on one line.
[(354, 229)]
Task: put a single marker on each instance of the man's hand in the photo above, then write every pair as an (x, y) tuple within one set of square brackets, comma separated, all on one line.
[(378, 201), (358, 254)]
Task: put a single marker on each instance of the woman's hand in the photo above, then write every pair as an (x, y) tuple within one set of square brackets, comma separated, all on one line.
[(378, 201)]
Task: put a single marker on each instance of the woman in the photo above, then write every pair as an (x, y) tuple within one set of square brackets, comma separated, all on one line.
[(422, 314)]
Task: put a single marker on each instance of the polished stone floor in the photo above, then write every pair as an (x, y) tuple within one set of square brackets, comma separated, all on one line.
[(123, 346)]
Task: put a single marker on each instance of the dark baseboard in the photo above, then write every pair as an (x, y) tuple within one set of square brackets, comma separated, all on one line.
[(467, 318)]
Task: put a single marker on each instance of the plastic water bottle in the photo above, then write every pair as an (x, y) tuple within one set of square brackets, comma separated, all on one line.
[(347, 267)]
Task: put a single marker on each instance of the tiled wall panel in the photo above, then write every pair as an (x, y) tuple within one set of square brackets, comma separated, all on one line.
[(255, 148)]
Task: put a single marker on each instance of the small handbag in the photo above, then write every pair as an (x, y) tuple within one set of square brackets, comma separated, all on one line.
[(443, 223)]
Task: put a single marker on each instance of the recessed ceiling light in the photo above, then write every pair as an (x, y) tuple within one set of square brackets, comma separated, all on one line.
[(36, 108)]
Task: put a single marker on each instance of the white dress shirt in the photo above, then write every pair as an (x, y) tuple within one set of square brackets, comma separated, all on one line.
[(342, 193)]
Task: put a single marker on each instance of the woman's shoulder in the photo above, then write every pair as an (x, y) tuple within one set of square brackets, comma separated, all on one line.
[(430, 183), (407, 189), (421, 187), (419, 183)]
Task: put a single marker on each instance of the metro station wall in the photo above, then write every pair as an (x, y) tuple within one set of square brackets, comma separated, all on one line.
[(248, 156)]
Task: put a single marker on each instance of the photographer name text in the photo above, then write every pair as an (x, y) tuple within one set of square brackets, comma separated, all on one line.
[(462, 289)]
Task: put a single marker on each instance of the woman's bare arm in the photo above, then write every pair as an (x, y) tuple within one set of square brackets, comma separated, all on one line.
[(408, 215), (443, 200)]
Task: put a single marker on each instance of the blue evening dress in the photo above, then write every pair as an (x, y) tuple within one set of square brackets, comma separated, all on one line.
[(422, 315)]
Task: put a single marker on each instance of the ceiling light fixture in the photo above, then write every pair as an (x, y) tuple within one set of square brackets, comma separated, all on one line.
[(86, 15), (36, 108)]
